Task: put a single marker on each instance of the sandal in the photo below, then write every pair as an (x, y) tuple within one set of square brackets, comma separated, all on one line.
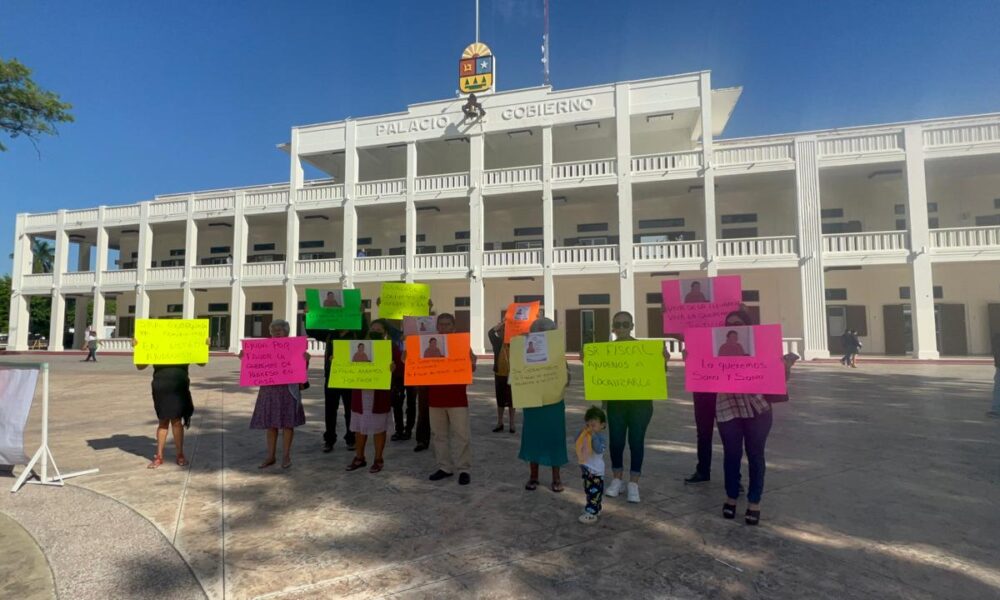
[(181, 461), (729, 511), (286, 463), (356, 464), (267, 463), (376, 466), (557, 486), (752, 517), (532, 485), (498, 428), (156, 462)]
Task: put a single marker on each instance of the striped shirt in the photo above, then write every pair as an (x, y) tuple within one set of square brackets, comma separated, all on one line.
[(739, 406)]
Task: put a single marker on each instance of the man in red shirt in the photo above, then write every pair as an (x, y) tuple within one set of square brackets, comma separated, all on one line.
[(449, 417)]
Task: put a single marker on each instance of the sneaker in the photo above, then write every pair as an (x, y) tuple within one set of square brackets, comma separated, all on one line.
[(615, 488), (439, 475), (396, 437), (697, 477), (633, 492), (420, 447), (587, 518), (327, 447), (464, 479)]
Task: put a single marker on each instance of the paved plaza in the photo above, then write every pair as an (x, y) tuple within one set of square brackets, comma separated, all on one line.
[(882, 482)]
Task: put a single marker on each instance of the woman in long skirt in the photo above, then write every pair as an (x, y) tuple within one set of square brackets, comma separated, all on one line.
[(543, 432), (371, 410)]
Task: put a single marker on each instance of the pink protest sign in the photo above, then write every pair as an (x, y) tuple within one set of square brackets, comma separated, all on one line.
[(702, 302), (273, 361), (742, 359)]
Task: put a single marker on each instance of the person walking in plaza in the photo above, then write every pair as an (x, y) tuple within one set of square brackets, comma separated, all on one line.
[(995, 409), (449, 421), (501, 370), (744, 420), (279, 407), (543, 431), (334, 398), (90, 344), (627, 421), (173, 405), (855, 348), (372, 409), (590, 445), (848, 343)]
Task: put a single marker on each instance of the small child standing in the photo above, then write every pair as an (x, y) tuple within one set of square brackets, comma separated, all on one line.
[(590, 447)]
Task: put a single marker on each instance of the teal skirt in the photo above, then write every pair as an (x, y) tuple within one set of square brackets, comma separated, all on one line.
[(543, 435)]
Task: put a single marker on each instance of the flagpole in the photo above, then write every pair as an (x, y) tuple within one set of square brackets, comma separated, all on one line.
[(477, 21)]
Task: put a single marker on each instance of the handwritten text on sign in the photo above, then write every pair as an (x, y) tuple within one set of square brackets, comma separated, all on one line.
[(727, 359), (538, 368), (624, 371), (273, 361), (444, 361), (399, 300), (171, 341), (361, 368), (702, 302)]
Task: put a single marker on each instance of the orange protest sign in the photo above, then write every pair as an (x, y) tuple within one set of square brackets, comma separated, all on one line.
[(438, 359), (518, 318)]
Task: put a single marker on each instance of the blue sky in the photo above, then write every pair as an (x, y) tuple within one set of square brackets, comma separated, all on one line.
[(178, 96)]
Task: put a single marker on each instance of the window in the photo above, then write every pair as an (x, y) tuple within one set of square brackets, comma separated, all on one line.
[(740, 218), (463, 302), (364, 241), (988, 220), (899, 209), (751, 295), (528, 231), (524, 244), (660, 223), (218, 307), (366, 303), (650, 239), (421, 237), (135, 255), (177, 252), (739, 232), (931, 207), (900, 224), (849, 227), (397, 251), (904, 293), (836, 294), (938, 292), (996, 203), (594, 299), (461, 235), (933, 222), (592, 241), (262, 247), (131, 309), (373, 252), (219, 250), (455, 248), (175, 308), (652, 298), (426, 249), (302, 304), (591, 227), (311, 244), (262, 306), (529, 298), (832, 213)]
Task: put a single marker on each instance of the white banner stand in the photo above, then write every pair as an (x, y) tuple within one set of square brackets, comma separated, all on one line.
[(43, 455)]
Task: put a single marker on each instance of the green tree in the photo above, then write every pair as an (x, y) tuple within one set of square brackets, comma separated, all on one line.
[(5, 284), (44, 256), (25, 108)]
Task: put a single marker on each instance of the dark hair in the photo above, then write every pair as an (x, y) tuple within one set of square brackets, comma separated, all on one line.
[(446, 315), (624, 312), (743, 315), (595, 412)]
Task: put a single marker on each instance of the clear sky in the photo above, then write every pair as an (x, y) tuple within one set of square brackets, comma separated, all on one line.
[(176, 96)]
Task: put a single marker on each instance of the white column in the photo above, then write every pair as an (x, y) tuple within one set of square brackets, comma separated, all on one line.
[(100, 264), (20, 313), (190, 260), (548, 226), (350, 212), (477, 291), (237, 298), (143, 260), (58, 310), (237, 317), (292, 224), (810, 234), (411, 209), (291, 306), (924, 327), (708, 174), (623, 146), (97, 319)]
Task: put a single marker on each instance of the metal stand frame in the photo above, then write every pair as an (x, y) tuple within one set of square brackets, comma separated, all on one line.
[(43, 455)]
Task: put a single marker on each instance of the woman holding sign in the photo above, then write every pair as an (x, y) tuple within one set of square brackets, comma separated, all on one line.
[(279, 407), (371, 410), (543, 432)]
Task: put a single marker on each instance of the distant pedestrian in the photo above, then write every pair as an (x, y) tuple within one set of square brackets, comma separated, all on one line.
[(90, 343), (590, 445), (995, 410)]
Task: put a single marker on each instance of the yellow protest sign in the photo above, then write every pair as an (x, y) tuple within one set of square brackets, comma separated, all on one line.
[(170, 341), (538, 368), (633, 370), (398, 300), (361, 365)]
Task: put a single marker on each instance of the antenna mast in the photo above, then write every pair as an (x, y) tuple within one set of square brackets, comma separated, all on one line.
[(545, 44)]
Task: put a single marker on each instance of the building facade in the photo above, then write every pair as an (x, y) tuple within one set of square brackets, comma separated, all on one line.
[(584, 199)]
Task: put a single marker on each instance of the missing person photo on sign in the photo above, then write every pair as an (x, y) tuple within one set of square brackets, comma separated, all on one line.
[(433, 346), (733, 341), (696, 291), (362, 352), (535, 349), (331, 298)]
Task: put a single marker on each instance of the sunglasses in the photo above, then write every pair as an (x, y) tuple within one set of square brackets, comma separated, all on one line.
[(621, 324)]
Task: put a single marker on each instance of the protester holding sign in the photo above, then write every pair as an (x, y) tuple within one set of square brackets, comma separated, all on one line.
[(334, 398), (279, 406), (543, 431), (173, 404), (449, 419), (371, 410), (501, 371)]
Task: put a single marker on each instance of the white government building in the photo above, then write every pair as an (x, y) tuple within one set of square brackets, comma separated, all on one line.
[(584, 199)]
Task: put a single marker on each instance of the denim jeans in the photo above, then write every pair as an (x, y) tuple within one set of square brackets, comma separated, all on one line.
[(628, 419), (751, 433), (996, 391)]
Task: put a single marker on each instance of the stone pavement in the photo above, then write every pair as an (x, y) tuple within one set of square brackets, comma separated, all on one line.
[(882, 482)]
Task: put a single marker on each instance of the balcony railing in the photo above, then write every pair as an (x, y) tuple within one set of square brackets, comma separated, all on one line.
[(440, 183), (659, 251), (264, 270), (521, 257), (319, 193), (875, 241), (87, 215), (962, 135), (513, 176), (324, 267), (116, 213), (861, 144), (664, 163), (966, 237), (118, 277), (384, 187), (214, 203), (378, 264), (267, 198), (212, 272), (77, 279), (726, 155), (161, 208), (784, 245), (165, 274), (582, 169), (42, 220), (575, 255), (441, 261), (37, 281)]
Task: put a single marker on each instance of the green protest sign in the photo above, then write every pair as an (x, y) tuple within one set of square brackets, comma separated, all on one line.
[(624, 371), (333, 309)]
